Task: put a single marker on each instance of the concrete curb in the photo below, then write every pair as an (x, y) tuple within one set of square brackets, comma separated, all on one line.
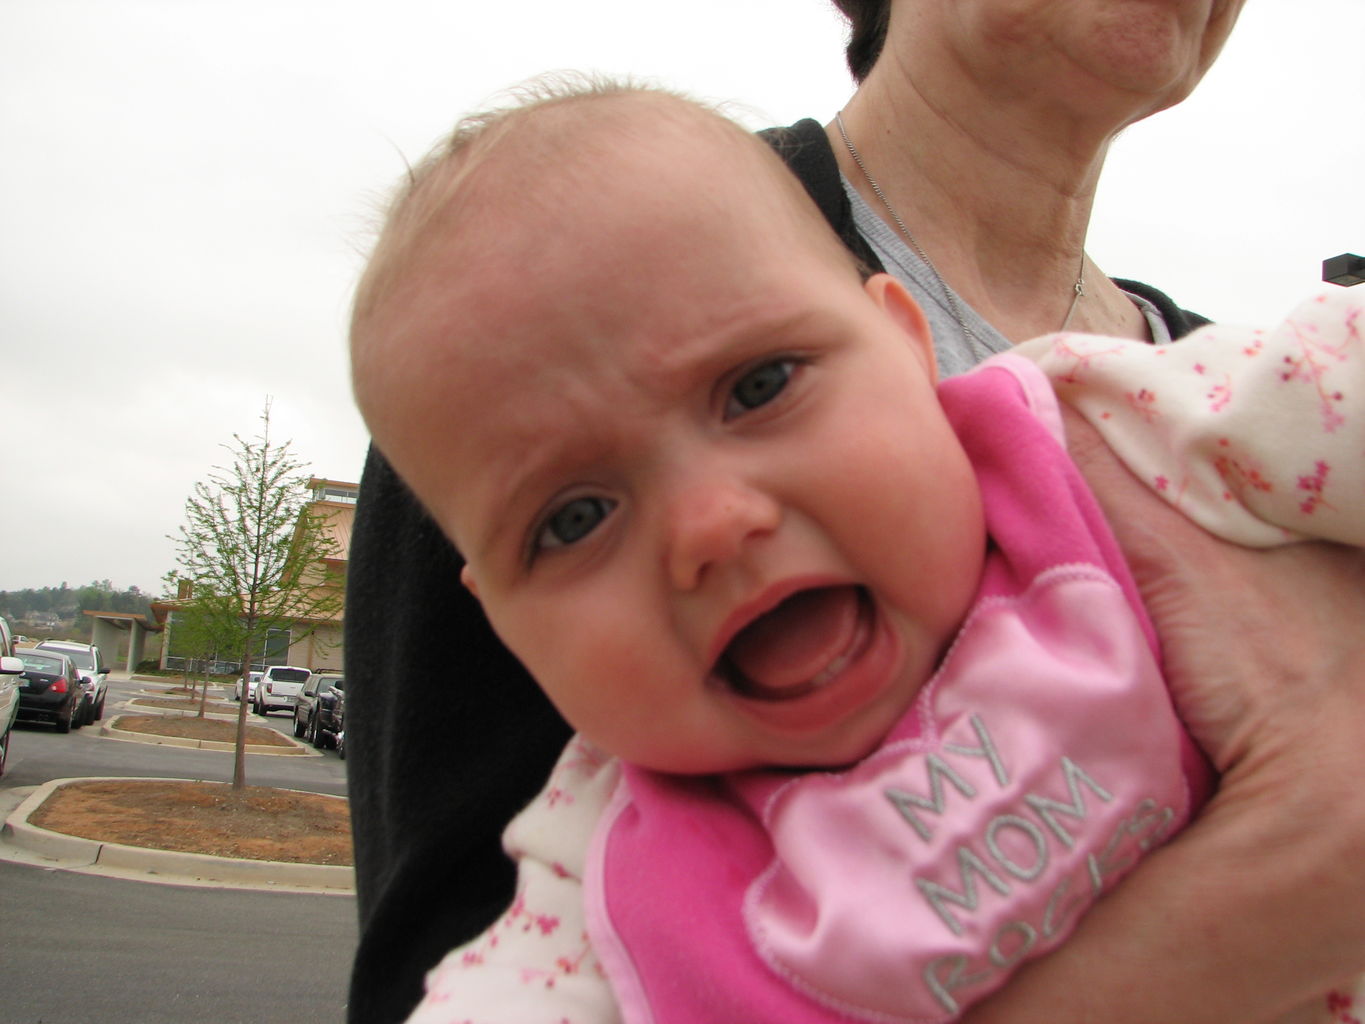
[(164, 865), (295, 748)]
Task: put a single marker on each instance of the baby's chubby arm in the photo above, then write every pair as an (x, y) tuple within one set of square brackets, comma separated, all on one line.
[(535, 962), (1257, 435), (1257, 907)]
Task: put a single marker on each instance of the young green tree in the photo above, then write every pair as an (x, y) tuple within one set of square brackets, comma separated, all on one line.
[(252, 553), (200, 629)]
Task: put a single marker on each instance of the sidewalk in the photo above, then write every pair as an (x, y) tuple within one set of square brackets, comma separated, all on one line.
[(23, 843)]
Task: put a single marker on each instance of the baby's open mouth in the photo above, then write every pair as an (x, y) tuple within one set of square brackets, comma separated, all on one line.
[(799, 646)]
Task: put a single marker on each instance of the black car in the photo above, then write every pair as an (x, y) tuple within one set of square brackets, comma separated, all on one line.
[(339, 720), (93, 672), (315, 708), (325, 730), (50, 689), (335, 720)]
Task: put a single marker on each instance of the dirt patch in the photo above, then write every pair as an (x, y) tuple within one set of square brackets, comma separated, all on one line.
[(198, 729), (218, 707), (184, 694), (254, 823)]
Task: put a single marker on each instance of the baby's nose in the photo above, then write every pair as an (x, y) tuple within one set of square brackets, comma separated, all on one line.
[(710, 524)]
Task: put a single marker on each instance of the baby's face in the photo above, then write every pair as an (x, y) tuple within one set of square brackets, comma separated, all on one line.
[(710, 501)]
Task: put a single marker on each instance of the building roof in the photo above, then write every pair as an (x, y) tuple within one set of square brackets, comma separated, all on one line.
[(125, 620)]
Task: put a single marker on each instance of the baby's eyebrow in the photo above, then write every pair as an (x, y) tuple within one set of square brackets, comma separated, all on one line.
[(525, 477), (794, 330), (500, 516)]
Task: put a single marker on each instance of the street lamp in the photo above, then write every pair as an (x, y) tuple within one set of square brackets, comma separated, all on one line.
[(1346, 269)]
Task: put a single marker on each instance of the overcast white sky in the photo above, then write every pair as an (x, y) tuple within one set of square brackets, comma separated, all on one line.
[(187, 185)]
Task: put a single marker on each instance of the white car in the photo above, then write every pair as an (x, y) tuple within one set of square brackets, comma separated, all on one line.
[(250, 678), (278, 686)]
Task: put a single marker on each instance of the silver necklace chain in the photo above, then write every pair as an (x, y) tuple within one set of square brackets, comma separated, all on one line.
[(980, 348)]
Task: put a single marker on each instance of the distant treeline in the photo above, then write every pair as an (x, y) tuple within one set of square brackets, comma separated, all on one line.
[(66, 602)]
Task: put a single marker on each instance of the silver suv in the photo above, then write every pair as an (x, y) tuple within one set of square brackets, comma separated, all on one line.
[(94, 674), (10, 670), (278, 686)]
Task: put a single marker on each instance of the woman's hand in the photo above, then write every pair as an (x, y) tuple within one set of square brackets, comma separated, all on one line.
[(1259, 645), (1260, 904)]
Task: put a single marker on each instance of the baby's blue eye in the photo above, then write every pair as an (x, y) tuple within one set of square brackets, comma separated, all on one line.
[(574, 521), (759, 386)]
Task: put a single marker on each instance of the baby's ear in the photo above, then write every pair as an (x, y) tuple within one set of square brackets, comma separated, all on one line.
[(893, 300), (467, 578)]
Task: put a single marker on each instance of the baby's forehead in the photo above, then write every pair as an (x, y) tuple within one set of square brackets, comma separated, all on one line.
[(558, 208), (634, 150), (566, 223), (567, 180)]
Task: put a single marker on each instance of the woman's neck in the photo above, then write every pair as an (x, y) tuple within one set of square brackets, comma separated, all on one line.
[(999, 200)]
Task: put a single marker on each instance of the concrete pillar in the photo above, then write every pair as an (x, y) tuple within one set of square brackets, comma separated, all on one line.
[(136, 642), (166, 639), (105, 636)]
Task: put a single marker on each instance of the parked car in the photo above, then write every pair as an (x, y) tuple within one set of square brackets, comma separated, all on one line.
[(330, 720), (306, 704), (51, 689), (278, 686), (93, 671), (251, 678), (10, 670)]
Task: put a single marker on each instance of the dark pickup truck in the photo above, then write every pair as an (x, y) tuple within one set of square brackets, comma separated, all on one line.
[(318, 709)]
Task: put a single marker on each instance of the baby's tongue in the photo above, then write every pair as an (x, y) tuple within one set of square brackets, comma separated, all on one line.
[(795, 642)]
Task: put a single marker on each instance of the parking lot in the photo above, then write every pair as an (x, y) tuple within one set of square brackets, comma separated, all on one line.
[(82, 946)]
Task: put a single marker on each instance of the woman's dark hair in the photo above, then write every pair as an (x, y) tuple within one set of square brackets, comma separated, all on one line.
[(867, 33)]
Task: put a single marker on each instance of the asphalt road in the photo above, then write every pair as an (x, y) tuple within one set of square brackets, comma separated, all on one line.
[(39, 754), (82, 947)]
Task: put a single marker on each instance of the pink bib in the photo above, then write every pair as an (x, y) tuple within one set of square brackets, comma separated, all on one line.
[(1034, 770)]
